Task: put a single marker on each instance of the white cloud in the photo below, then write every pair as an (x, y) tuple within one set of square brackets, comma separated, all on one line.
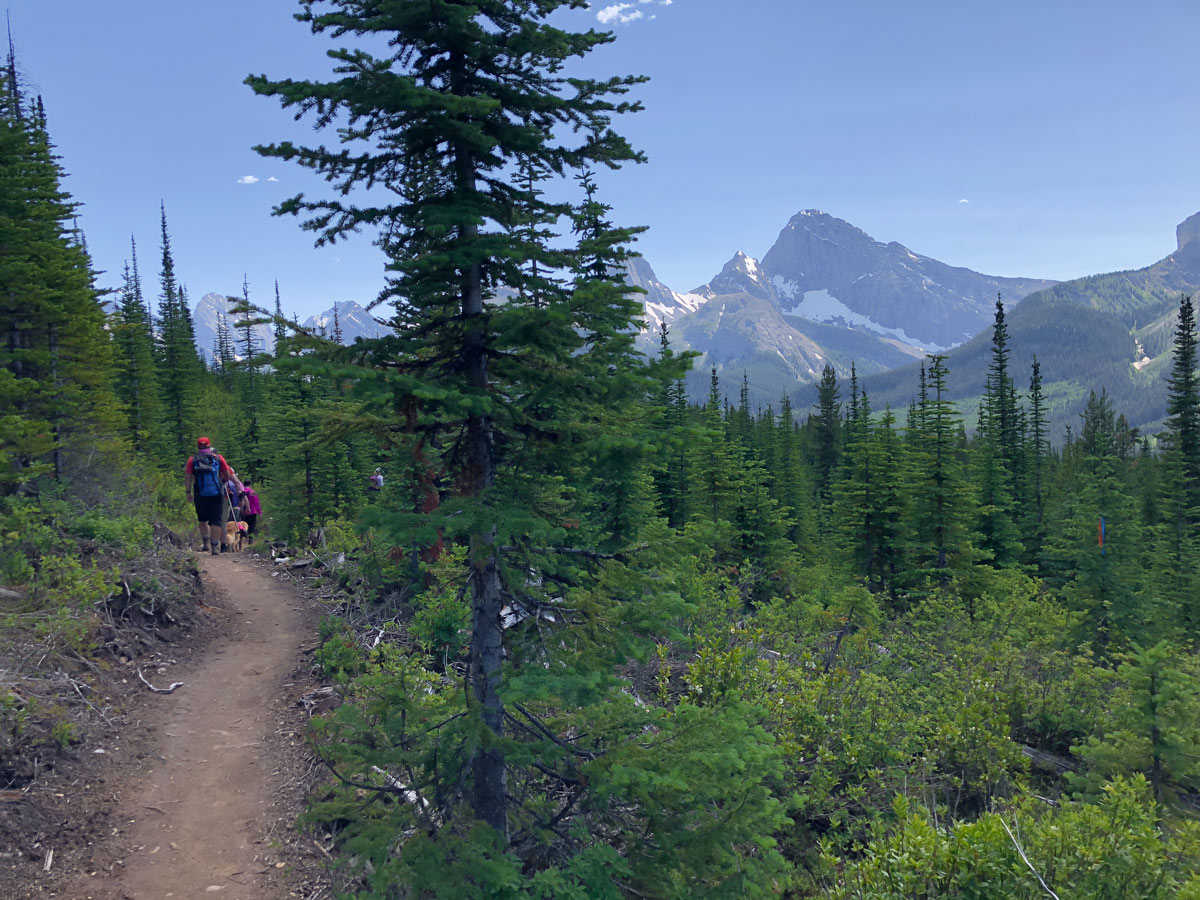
[(272, 178), (964, 200), (247, 179), (617, 13), (624, 13)]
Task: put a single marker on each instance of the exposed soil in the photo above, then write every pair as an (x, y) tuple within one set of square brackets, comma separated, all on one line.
[(196, 792)]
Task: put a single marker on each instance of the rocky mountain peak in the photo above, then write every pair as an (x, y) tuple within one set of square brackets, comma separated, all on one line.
[(661, 303), (741, 275), (823, 226), (1188, 231), (206, 316)]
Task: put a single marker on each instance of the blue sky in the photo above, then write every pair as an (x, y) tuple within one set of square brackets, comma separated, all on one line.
[(1068, 128)]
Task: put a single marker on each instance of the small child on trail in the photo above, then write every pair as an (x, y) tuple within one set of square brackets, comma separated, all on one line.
[(251, 507), (204, 478)]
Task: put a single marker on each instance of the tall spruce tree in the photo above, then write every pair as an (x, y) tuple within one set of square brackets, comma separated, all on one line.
[(827, 432), (1178, 535), (250, 388), (942, 500), (503, 400), (179, 368), (997, 459), (1032, 514), (137, 381)]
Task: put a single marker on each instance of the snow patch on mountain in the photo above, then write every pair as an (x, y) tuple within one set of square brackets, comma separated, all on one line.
[(661, 304), (822, 306), (785, 287)]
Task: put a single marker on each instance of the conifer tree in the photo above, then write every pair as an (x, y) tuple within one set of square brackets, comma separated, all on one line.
[(179, 368), (1095, 550), (828, 437), (1155, 725), (1037, 449), (503, 399), (223, 355), (712, 488), (1178, 536), (137, 381), (672, 413), (942, 500), (997, 457), (792, 487), (250, 389)]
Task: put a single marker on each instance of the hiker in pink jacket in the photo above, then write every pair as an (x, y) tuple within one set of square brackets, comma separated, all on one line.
[(251, 507)]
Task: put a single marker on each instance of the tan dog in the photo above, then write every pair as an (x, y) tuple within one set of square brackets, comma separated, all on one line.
[(233, 536)]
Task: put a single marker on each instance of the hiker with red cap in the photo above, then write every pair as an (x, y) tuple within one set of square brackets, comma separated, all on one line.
[(206, 472)]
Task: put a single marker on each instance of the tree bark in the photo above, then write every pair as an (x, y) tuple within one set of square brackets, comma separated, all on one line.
[(487, 636)]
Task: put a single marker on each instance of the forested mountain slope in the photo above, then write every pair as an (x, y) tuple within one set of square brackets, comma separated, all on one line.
[(1110, 332)]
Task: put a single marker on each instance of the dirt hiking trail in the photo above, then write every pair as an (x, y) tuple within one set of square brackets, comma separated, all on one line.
[(199, 825)]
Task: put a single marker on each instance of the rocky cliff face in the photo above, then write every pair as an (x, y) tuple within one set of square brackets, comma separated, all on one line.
[(1187, 231)]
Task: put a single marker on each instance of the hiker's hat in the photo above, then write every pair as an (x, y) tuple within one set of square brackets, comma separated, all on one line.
[(203, 443)]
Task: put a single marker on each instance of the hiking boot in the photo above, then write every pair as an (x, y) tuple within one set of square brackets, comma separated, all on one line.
[(215, 551), (204, 547), (224, 548)]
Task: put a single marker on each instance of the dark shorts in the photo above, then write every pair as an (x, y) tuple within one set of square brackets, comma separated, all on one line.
[(208, 510)]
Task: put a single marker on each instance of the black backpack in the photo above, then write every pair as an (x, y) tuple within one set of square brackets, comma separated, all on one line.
[(207, 471)]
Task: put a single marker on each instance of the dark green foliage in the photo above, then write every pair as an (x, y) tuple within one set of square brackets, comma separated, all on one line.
[(56, 361), (943, 543), (179, 367), (826, 432), (999, 458), (137, 381), (1178, 534), (1153, 727), (1099, 578)]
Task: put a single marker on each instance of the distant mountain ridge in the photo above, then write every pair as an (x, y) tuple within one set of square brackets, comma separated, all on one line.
[(354, 320), (826, 292), (823, 268)]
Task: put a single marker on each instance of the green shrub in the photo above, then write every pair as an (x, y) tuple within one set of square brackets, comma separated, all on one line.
[(129, 535)]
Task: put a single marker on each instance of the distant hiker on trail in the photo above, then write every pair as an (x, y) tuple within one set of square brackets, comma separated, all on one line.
[(203, 482), (232, 509), (232, 491), (375, 482), (251, 507)]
